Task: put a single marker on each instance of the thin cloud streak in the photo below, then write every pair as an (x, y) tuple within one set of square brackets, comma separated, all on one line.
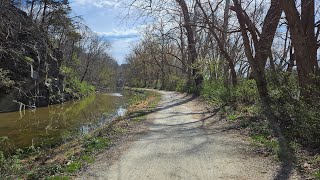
[(118, 34), (98, 3)]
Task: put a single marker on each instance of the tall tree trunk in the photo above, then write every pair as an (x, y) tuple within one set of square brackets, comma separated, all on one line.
[(191, 41), (182, 47), (308, 23), (87, 67), (31, 8), (45, 6), (291, 60), (256, 64), (224, 41), (145, 73), (257, 68), (85, 72), (262, 46), (303, 41)]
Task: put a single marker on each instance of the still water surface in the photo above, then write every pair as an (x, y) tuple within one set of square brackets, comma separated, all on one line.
[(58, 123)]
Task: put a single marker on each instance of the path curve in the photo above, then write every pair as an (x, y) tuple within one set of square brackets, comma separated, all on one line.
[(184, 141)]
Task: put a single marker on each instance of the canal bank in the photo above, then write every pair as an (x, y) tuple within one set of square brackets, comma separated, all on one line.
[(73, 155), (50, 125)]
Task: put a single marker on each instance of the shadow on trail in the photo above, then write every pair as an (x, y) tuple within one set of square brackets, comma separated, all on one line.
[(288, 161), (175, 114), (146, 112), (284, 172)]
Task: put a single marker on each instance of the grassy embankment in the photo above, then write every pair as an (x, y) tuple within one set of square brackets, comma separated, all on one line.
[(64, 161), (299, 120)]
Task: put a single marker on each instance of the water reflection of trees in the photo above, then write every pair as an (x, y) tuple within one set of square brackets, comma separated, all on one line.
[(60, 122)]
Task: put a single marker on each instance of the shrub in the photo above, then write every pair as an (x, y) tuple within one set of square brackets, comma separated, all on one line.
[(181, 85), (73, 84), (299, 119), (215, 92), (246, 92)]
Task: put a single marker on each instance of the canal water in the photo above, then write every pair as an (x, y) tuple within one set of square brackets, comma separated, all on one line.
[(58, 123)]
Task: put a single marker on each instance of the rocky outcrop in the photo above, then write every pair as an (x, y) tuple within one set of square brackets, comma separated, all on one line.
[(29, 62)]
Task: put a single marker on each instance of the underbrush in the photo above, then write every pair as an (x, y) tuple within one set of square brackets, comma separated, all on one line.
[(244, 93), (73, 86), (299, 119)]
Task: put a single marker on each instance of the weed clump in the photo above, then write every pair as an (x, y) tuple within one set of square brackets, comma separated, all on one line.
[(96, 143)]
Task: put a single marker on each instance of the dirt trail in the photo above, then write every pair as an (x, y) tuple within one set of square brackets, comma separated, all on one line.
[(183, 141)]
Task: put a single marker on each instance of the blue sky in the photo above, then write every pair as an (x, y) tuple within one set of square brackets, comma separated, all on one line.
[(106, 17)]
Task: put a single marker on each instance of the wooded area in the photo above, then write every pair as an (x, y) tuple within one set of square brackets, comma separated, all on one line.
[(257, 61), (242, 54), (61, 51)]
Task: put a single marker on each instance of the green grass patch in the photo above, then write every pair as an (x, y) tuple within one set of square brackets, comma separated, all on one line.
[(87, 158), (73, 167), (154, 104), (232, 117), (270, 144), (317, 175), (96, 143)]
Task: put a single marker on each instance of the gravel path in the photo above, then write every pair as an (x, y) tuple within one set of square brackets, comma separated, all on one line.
[(183, 140)]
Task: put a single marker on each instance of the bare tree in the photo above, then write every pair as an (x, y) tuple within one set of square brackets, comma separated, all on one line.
[(304, 41)]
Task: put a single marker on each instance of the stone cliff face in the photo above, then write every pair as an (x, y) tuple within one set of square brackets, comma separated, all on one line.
[(29, 62)]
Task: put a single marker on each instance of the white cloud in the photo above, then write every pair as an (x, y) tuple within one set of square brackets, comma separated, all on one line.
[(124, 33), (122, 41), (120, 33), (98, 3)]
